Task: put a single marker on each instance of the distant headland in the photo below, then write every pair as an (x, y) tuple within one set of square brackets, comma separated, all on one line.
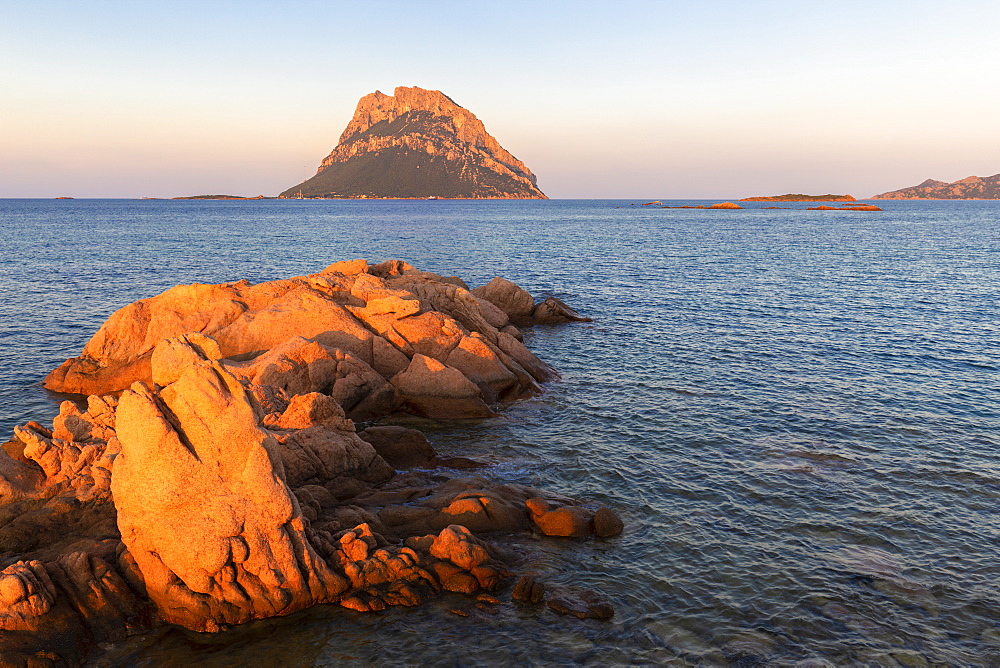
[(971, 187), (417, 144), (800, 198)]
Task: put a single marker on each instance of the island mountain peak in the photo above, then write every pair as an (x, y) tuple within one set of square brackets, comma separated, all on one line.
[(417, 143)]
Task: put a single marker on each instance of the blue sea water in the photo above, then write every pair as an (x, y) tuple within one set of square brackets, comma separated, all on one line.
[(796, 412)]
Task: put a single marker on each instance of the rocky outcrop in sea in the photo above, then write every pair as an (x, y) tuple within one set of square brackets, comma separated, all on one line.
[(216, 475)]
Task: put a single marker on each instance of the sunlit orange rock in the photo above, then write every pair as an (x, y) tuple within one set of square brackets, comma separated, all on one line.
[(508, 297), (204, 509), (345, 331), (431, 388)]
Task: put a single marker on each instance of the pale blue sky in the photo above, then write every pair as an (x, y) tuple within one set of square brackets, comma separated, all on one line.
[(600, 99)]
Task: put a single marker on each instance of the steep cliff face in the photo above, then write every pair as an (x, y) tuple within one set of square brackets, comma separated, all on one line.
[(973, 187), (418, 143)]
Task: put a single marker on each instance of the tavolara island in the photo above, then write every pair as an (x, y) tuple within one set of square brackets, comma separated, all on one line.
[(972, 187), (417, 143), (216, 475)]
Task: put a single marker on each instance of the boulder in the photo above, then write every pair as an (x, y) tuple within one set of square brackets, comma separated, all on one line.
[(539, 370), (172, 356), (554, 311), (607, 523), (528, 590), (475, 503), (18, 479), (485, 366), (204, 509), (566, 521), (508, 297), (298, 366), (76, 457), (482, 510), (492, 313), (430, 388), (347, 268), (572, 520), (53, 613)]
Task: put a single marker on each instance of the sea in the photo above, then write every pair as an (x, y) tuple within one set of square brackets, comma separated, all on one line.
[(797, 414)]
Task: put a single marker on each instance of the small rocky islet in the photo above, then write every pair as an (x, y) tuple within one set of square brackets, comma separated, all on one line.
[(856, 206), (216, 475)]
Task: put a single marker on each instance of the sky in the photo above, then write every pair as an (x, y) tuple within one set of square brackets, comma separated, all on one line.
[(623, 99)]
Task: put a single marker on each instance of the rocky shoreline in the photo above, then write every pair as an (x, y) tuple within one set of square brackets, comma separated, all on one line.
[(216, 475)]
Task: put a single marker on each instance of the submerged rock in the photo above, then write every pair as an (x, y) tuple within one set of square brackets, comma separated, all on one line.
[(583, 604)]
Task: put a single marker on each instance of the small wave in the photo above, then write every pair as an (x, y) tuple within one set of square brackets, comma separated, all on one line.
[(688, 393), (820, 456)]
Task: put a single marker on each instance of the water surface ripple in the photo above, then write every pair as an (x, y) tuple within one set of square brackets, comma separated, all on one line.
[(796, 412)]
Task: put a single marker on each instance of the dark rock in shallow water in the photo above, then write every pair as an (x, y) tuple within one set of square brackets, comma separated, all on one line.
[(554, 311), (529, 590), (607, 523)]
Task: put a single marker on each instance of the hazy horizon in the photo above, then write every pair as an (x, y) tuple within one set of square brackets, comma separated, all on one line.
[(642, 99)]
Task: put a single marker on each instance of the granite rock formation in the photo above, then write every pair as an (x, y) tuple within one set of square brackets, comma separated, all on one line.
[(972, 187), (417, 143), (378, 339), (226, 482)]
